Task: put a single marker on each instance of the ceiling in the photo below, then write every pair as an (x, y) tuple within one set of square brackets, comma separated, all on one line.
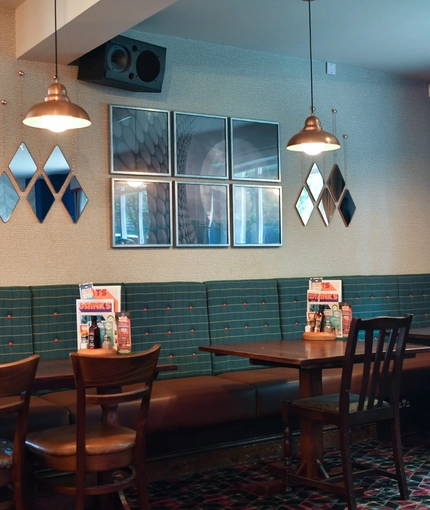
[(385, 35)]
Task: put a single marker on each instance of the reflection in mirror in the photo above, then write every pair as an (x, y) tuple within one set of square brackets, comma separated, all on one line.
[(315, 181), (326, 207), (304, 206), (8, 197), (40, 198), (347, 208), (57, 168), (336, 183), (22, 166), (141, 213), (74, 199)]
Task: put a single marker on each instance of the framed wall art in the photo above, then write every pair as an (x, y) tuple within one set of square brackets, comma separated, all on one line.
[(254, 150), (257, 218), (141, 213), (200, 146), (139, 141), (202, 214)]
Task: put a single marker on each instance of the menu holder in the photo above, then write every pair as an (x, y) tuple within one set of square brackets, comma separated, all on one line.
[(318, 336)]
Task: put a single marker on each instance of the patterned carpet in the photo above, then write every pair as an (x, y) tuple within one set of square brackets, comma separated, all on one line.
[(229, 488)]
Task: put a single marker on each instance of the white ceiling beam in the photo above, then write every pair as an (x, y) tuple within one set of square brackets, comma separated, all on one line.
[(82, 25)]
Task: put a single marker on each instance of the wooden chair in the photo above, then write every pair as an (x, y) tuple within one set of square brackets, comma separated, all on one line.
[(16, 379), (377, 402), (103, 456)]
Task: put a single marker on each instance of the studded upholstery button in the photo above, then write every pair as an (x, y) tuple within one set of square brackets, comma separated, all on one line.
[(190, 307), (356, 298), (387, 297), (266, 326), (192, 330), (9, 316), (246, 327), (145, 309), (295, 302), (56, 340), (424, 294), (169, 332), (244, 304), (296, 323), (170, 356), (372, 297), (168, 308), (263, 303), (10, 344), (410, 295), (194, 354), (55, 314), (224, 304), (146, 333), (226, 328)]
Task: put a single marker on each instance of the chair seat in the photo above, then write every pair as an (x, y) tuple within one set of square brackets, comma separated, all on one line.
[(101, 438), (330, 403)]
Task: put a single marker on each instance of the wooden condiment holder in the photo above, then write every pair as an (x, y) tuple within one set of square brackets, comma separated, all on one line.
[(319, 336)]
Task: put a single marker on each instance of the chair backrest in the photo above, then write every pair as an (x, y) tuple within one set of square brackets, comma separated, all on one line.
[(383, 347), (109, 374), (16, 379)]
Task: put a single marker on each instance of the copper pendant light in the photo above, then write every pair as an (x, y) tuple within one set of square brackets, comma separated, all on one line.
[(57, 113), (312, 139)]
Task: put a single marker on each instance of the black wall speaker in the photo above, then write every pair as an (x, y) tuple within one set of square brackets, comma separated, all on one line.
[(125, 63)]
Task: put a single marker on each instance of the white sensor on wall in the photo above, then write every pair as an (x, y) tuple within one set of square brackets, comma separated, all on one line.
[(330, 68)]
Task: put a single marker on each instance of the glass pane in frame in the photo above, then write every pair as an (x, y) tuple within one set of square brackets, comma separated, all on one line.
[(141, 213), (254, 150), (257, 215), (200, 145), (202, 214), (139, 141)]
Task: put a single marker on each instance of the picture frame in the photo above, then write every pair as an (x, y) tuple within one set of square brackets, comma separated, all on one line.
[(139, 141), (202, 214), (257, 215), (141, 213), (255, 152), (200, 145)]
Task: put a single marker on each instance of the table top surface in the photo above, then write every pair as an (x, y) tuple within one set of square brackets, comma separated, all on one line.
[(420, 333), (297, 353)]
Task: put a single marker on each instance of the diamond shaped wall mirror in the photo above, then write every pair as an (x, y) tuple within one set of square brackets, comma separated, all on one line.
[(8, 197), (315, 181), (74, 199), (57, 169), (347, 207), (336, 183), (22, 166), (326, 207), (40, 198), (304, 206)]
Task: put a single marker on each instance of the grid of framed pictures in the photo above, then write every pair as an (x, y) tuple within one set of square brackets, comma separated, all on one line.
[(221, 191)]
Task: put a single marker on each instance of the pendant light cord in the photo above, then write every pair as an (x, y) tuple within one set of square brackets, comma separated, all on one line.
[(310, 57), (56, 42)]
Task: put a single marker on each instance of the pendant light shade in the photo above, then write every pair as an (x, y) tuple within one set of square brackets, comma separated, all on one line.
[(57, 113), (312, 139)]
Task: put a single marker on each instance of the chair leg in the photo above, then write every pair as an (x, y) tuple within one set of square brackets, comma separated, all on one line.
[(288, 444), (398, 457), (348, 477), (141, 482)]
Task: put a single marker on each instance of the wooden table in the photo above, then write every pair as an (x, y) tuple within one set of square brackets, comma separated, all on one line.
[(310, 358), (420, 335), (54, 374)]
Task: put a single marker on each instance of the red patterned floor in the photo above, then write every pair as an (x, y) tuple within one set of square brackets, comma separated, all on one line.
[(228, 488)]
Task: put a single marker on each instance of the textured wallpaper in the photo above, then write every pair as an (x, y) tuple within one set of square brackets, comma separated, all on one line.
[(385, 164)]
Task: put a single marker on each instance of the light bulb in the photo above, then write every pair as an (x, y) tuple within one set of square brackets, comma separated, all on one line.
[(313, 148)]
